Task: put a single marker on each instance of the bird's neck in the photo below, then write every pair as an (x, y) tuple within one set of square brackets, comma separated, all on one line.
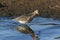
[(33, 15)]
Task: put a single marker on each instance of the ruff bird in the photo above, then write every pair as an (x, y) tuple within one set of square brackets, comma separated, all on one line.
[(24, 28), (26, 18)]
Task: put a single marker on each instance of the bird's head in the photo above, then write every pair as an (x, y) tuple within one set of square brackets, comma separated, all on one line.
[(36, 12)]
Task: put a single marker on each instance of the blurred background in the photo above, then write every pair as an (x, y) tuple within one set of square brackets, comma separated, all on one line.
[(47, 8)]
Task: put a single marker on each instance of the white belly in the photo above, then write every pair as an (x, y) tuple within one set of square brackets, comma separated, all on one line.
[(23, 22)]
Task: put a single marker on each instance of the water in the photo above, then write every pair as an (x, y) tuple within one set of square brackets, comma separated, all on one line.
[(47, 32)]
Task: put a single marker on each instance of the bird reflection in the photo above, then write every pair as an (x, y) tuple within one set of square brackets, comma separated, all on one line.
[(26, 30)]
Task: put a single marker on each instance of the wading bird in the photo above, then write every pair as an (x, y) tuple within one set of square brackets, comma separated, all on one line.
[(26, 18), (24, 28)]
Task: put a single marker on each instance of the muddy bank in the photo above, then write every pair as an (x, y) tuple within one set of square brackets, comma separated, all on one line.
[(47, 8)]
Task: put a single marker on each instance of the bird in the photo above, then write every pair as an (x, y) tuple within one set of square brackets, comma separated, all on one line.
[(26, 18), (24, 28)]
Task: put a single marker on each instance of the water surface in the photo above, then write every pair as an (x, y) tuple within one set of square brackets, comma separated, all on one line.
[(46, 32)]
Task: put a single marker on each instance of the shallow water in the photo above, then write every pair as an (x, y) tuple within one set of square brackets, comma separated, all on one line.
[(47, 32)]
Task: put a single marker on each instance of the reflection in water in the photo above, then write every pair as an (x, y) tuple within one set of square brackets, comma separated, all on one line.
[(45, 32), (26, 30)]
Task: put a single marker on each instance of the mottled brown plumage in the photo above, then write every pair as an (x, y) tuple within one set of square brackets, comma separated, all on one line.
[(26, 18)]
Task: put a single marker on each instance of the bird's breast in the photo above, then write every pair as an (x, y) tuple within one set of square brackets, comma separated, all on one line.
[(23, 22)]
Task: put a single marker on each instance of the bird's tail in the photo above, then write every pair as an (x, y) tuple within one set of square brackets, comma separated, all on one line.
[(34, 37)]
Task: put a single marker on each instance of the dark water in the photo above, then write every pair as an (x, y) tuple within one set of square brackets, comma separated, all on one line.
[(47, 32)]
